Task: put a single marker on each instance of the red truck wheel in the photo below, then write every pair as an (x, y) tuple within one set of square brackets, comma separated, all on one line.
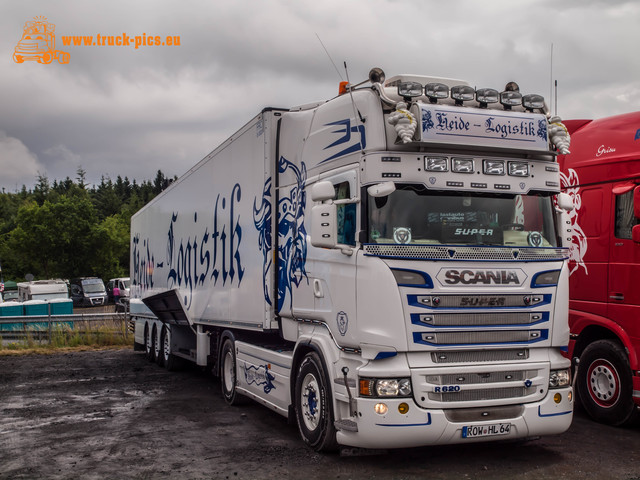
[(604, 383)]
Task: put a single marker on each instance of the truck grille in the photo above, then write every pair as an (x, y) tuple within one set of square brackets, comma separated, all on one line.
[(484, 394), (473, 387), (475, 356), (477, 319), (472, 253), (471, 338)]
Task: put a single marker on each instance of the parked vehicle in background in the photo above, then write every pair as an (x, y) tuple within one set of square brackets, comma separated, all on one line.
[(88, 292), (387, 268), (602, 174), (42, 290), (118, 292), (118, 288), (10, 291)]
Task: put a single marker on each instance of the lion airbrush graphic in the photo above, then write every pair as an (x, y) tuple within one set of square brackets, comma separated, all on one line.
[(38, 43)]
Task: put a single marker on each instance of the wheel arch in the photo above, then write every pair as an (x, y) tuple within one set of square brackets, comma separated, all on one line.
[(599, 328)]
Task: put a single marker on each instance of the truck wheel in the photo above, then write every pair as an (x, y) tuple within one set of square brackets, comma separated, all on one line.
[(228, 373), (157, 348), (313, 406), (46, 58), (148, 343), (604, 383), (168, 360)]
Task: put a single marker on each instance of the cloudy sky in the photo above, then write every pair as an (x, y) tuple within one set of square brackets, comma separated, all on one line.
[(121, 110)]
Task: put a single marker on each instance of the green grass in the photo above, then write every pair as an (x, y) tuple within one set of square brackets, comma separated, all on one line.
[(83, 336)]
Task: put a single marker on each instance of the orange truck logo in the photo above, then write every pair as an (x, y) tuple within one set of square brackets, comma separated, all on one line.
[(38, 43)]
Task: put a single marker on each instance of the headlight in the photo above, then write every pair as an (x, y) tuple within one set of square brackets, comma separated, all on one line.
[(519, 169), (533, 101), (485, 96), (463, 93), (436, 164), (462, 165), (409, 89), (559, 378), (510, 99), (435, 91), (385, 387), (494, 167)]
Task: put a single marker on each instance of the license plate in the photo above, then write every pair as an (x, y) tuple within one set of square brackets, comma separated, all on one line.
[(474, 431)]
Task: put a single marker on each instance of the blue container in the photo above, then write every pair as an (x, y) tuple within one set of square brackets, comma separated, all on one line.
[(61, 306), (11, 309), (36, 307)]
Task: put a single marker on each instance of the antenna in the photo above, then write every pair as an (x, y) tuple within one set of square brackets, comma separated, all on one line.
[(330, 59), (556, 106), (551, 77)]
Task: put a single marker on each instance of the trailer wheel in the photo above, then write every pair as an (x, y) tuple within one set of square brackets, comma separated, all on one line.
[(148, 343), (228, 373), (157, 350), (604, 383), (168, 360), (313, 406)]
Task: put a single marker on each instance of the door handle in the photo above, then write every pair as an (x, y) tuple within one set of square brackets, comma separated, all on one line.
[(616, 296)]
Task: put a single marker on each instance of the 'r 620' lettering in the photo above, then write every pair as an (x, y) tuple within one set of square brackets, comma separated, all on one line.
[(447, 389)]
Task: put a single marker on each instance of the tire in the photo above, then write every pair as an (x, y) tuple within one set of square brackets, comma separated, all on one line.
[(604, 383), (313, 405), (228, 373), (157, 350), (168, 360), (148, 343)]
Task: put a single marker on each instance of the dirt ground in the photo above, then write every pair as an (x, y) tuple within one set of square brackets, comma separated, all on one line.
[(112, 414)]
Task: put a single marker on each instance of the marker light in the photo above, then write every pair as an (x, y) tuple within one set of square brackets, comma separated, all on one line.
[(436, 164), (519, 169), (435, 91), (493, 167), (463, 93), (485, 96), (403, 408), (409, 89), (510, 99), (533, 101), (462, 165)]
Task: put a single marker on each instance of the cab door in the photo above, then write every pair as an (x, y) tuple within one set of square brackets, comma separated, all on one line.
[(624, 264)]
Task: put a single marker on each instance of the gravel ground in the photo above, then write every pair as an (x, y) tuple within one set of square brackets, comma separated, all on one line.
[(112, 414)]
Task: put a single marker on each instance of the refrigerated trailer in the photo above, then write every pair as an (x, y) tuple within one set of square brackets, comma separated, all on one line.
[(386, 269)]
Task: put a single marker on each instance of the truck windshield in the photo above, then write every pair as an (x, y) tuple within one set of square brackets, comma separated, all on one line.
[(415, 215)]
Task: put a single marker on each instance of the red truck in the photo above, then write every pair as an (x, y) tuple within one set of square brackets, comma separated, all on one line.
[(602, 174)]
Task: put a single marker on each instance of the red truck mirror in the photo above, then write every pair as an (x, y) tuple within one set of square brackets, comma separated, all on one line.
[(635, 233)]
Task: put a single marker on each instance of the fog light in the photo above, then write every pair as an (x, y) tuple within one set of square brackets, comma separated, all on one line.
[(380, 408), (510, 99), (557, 398), (531, 102), (494, 167), (435, 91), (403, 408), (436, 164), (409, 89)]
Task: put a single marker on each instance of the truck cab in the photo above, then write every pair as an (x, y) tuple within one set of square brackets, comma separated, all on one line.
[(602, 175)]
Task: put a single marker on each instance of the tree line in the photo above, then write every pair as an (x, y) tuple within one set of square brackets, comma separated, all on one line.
[(68, 229)]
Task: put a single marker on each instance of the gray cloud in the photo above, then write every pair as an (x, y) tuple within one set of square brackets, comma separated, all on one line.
[(126, 111)]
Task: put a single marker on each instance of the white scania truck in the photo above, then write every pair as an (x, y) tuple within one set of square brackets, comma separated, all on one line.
[(386, 268)]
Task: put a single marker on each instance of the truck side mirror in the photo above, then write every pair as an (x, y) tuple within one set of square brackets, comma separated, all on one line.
[(565, 202), (323, 191), (324, 225), (635, 233)]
